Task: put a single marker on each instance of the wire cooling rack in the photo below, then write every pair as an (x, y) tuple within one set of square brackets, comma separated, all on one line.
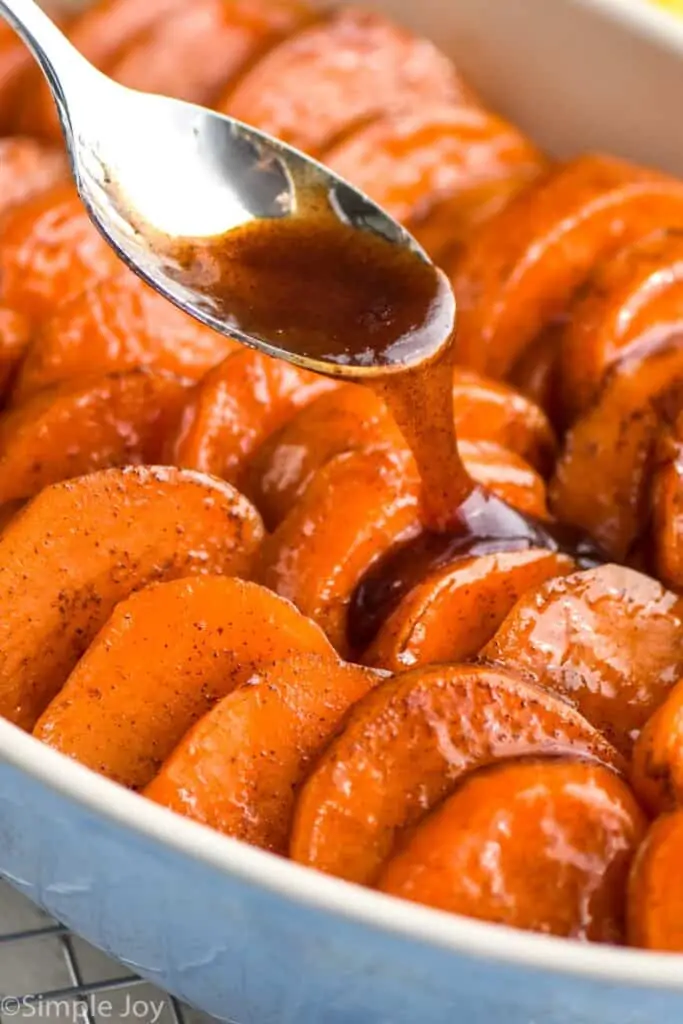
[(50, 975)]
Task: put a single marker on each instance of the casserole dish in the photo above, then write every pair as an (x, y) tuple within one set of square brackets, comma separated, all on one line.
[(249, 937)]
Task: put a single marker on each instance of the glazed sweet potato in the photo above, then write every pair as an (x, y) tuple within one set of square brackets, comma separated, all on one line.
[(408, 744), (118, 324), (239, 769), (602, 477), (456, 610), (201, 47), (100, 422), (15, 61), (15, 334), (352, 65), (234, 409), (609, 639), (657, 768), (98, 32), (424, 165), (520, 269), (632, 298), (81, 547), (666, 498), (164, 658), (505, 474), (564, 835), (655, 901), (26, 168), (49, 251)]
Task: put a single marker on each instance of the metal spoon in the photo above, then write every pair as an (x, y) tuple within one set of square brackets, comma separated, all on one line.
[(148, 166)]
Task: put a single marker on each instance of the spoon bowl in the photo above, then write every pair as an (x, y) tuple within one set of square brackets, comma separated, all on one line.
[(152, 170)]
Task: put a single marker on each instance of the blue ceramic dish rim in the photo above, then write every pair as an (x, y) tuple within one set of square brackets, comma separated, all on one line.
[(304, 885)]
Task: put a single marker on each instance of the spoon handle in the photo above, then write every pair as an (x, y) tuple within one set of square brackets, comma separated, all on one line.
[(58, 59)]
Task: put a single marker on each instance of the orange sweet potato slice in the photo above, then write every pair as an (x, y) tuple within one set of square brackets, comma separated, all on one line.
[(81, 547), (418, 164), (407, 745), (666, 501), (118, 324), (535, 881), (506, 474), (236, 406), (352, 65), (657, 766), (26, 168), (655, 897), (118, 420), (239, 769), (608, 639), (521, 268), (195, 52), (49, 251), (166, 656), (634, 294), (602, 477), (456, 610), (98, 32), (15, 334)]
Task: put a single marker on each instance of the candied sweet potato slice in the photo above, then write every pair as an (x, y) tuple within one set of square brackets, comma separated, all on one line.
[(520, 269), (564, 835), (15, 334), (421, 165), (49, 251), (602, 477), (163, 659), (408, 744), (236, 406), (201, 47), (609, 639), (657, 765), (26, 168), (81, 547), (239, 769), (118, 324), (455, 611), (98, 32), (655, 898), (631, 297), (353, 511), (351, 65), (118, 420), (666, 500), (506, 474)]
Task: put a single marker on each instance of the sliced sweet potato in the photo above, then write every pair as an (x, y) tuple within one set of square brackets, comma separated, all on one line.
[(350, 66), (456, 610), (49, 251), (99, 422), (657, 767), (195, 52), (609, 639), (564, 835), (27, 167), (417, 164), (15, 334), (98, 32), (629, 297), (81, 547), (166, 656), (535, 372), (407, 745), (506, 474), (239, 769), (118, 324), (520, 269), (603, 475), (236, 406), (353, 511), (666, 500), (655, 898)]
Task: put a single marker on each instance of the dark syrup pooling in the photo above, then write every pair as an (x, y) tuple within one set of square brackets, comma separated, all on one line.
[(322, 290)]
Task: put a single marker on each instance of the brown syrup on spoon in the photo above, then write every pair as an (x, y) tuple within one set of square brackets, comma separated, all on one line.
[(350, 303)]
